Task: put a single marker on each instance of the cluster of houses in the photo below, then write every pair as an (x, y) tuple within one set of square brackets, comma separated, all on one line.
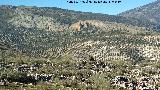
[(26, 68), (141, 83), (29, 78), (33, 78), (126, 81)]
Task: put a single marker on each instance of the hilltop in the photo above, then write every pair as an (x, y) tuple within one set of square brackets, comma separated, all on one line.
[(149, 12)]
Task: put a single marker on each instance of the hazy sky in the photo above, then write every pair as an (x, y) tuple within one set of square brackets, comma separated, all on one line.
[(111, 9)]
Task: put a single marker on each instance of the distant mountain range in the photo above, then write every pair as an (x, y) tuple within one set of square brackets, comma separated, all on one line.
[(149, 12), (52, 32)]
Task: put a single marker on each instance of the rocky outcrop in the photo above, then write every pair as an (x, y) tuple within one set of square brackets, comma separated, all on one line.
[(85, 24)]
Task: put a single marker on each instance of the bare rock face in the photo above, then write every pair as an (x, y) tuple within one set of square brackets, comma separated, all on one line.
[(85, 24), (77, 26)]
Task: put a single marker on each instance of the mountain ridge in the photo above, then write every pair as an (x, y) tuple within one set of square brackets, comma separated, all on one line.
[(148, 12), (32, 31), (51, 48)]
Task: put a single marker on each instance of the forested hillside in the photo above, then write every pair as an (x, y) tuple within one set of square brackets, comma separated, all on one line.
[(149, 12), (46, 48)]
